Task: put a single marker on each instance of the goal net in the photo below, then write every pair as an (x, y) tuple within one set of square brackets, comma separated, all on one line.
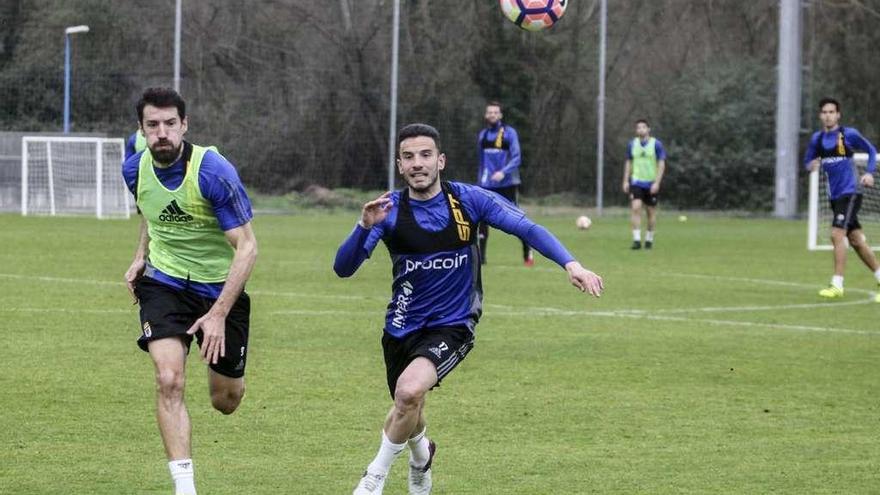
[(73, 176), (820, 215)]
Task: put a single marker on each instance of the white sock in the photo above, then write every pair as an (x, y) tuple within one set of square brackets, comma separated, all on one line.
[(649, 236), (637, 235), (388, 452), (877, 275), (183, 476), (837, 281), (419, 453)]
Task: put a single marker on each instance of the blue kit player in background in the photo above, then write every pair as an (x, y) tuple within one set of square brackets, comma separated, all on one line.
[(499, 159), (642, 175), (832, 149), (195, 253), (429, 229), (135, 143)]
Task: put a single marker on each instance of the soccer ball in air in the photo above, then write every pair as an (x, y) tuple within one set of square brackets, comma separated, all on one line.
[(583, 222), (533, 15)]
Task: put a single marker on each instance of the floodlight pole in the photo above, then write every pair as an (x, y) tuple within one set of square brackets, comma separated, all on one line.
[(178, 14), (392, 125), (600, 109), (788, 108), (67, 32)]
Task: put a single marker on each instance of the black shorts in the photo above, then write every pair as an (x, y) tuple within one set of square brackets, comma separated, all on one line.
[(444, 346), (846, 212), (168, 312), (644, 194)]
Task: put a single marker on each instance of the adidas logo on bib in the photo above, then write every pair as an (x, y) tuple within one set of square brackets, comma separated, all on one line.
[(174, 213)]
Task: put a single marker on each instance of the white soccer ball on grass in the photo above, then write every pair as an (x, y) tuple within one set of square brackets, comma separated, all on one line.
[(583, 222)]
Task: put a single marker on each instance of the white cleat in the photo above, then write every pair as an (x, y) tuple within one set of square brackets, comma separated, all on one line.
[(370, 484), (420, 478)]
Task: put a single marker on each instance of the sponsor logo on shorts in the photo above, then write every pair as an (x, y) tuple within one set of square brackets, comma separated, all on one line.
[(148, 332)]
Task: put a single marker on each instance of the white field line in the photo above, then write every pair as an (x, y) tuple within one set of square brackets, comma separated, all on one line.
[(526, 312), (60, 279), (738, 309), (614, 314), (533, 311), (760, 281), (67, 310), (122, 284)]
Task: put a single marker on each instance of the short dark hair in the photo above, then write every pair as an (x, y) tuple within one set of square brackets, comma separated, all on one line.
[(643, 121), (827, 100), (495, 103), (416, 130), (161, 98)]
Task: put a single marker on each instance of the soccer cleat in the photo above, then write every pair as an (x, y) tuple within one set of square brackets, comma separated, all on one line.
[(649, 244), (636, 245), (529, 262), (831, 292), (370, 484), (420, 478)]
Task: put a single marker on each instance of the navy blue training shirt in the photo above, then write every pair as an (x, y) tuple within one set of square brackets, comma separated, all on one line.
[(442, 288), (835, 149)]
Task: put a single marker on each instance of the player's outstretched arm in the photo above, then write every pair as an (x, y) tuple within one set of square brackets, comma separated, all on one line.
[(353, 250), (213, 323), (136, 269), (584, 279)]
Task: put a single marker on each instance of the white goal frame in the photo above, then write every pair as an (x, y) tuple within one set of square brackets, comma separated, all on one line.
[(815, 240), (99, 172)]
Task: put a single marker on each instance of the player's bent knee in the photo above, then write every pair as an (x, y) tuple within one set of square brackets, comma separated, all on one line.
[(227, 401), (408, 397), (856, 239)]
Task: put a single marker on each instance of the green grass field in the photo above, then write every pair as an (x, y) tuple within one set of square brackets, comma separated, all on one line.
[(709, 366)]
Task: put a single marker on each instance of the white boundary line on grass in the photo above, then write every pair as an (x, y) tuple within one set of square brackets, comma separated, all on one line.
[(616, 314), (122, 284), (762, 281), (524, 312), (529, 311), (537, 311), (67, 310)]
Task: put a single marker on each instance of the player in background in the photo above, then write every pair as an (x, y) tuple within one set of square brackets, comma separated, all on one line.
[(429, 229), (135, 143), (642, 175), (499, 160), (832, 149), (195, 252)]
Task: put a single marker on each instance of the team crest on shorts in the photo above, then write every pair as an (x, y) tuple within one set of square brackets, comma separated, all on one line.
[(147, 330), (840, 217)]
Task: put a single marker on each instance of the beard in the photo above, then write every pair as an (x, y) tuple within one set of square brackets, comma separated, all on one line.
[(166, 154), (432, 180)]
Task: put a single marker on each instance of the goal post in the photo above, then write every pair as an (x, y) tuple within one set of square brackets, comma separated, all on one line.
[(73, 176), (819, 214)]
